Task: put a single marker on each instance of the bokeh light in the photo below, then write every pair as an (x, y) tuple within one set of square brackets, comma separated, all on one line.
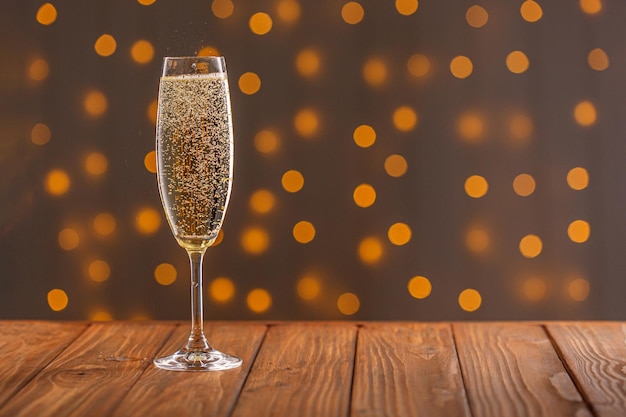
[(476, 16), (146, 2), (151, 110), (418, 65), (46, 14), (38, 69), (598, 59), (370, 250), (266, 141), (578, 178), (364, 136), (306, 122), (147, 220), (292, 181), (534, 289), (406, 7), (100, 314), (95, 103), (303, 232), (255, 240), (68, 239), (105, 45), (209, 51), (165, 274), (405, 118), (470, 300), (222, 9), (585, 113), (308, 287), (590, 6), (308, 62), (57, 299), (579, 231), (461, 67), (222, 289), (399, 234), (419, 287), (517, 62), (476, 186), (288, 10), (249, 83), (471, 127), (375, 72), (531, 11), (578, 289), (396, 165), (150, 162), (40, 134), (348, 304), (96, 163), (364, 195), (521, 127), (99, 270), (530, 246), (104, 224), (260, 23), (142, 51), (262, 201), (259, 300), (477, 240), (352, 12), (524, 185), (57, 182)]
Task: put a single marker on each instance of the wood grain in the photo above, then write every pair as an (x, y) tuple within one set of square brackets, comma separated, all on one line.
[(181, 394), (26, 347), (91, 376), (301, 370), (407, 370), (595, 353), (512, 370)]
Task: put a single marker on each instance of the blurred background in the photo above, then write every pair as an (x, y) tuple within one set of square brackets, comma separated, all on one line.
[(457, 160)]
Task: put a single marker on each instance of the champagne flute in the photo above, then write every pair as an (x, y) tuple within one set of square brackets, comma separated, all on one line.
[(194, 143)]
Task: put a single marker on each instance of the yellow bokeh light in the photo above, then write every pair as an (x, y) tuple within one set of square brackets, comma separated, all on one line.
[(418, 65), (208, 51), (364, 195), (147, 220), (405, 118), (471, 127), (255, 240), (461, 67), (585, 113), (303, 232), (375, 72), (370, 250), (292, 181), (146, 2), (579, 231), (260, 23), (524, 185), (534, 289), (578, 289), (406, 7), (100, 315), (262, 201), (151, 110), (57, 299), (364, 136), (578, 178), (521, 127), (419, 287), (165, 274), (352, 12), (95, 103), (142, 51), (57, 182), (259, 300), (266, 141), (476, 186), (396, 166), (598, 59), (38, 69), (105, 45), (150, 162), (348, 304), (104, 224), (531, 11), (517, 62), (249, 83), (68, 239), (222, 289), (470, 300), (399, 234), (306, 122), (530, 246), (477, 240), (220, 237), (590, 6), (96, 164), (308, 288), (308, 62), (40, 134), (288, 10), (476, 16), (99, 271), (46, 14), (222, 8)]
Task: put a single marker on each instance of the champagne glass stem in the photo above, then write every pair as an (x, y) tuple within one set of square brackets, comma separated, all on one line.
[(197, 340)]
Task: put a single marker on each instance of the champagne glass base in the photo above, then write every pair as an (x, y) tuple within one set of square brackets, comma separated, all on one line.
[(198, 360)]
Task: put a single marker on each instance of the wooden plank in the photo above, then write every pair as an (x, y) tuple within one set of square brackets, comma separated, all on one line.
[(595, 354), (27, 347), (301, 370), (512, 370), (181, 394), (92, 375), (407, 370)]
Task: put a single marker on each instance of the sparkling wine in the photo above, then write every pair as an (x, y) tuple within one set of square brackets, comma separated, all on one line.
[(194, 148)]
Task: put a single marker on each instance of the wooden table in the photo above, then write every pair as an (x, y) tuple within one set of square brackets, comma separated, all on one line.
[(317, 369)]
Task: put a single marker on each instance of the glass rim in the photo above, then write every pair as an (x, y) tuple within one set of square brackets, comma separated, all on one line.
[(193, 57)]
